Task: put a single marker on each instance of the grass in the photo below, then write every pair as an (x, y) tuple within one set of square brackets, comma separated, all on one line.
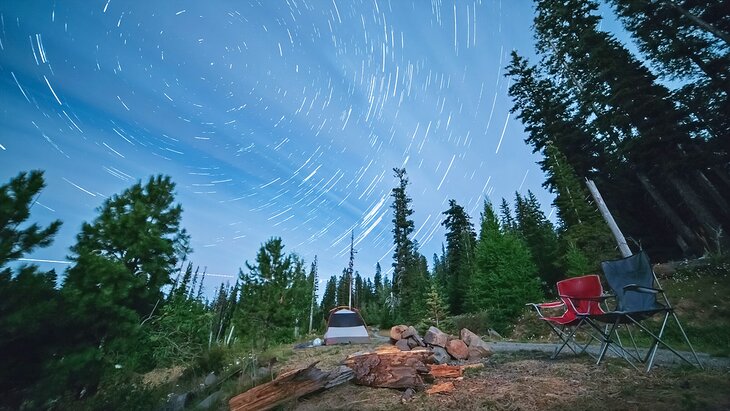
[(529, 380)]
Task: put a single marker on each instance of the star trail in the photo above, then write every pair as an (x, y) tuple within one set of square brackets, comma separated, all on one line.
[(275, 118)]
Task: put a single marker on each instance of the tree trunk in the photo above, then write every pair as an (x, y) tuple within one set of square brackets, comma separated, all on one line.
[(289, 386), (391, 368), (714, 193), (683, 232), (618, 235), (699, 22), (711, 227)]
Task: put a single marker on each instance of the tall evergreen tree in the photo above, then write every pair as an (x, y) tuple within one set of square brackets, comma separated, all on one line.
[(406, 285), (122, 261), (329, 297), (687, 41), (139, 233), (506, 278), (540, 237), (460, 245), (29, 302), (276, 296)]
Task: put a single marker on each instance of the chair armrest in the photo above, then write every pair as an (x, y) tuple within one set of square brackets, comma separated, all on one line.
[(598, 298), (538, 306), (642, 289)]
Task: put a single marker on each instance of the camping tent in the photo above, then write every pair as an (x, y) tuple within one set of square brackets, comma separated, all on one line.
[(345, 325)]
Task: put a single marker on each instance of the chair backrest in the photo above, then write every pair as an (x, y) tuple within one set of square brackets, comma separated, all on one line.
[(631, 270), (578, 289)]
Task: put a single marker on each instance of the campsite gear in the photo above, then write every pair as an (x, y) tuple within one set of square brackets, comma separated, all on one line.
[(580, 297), (633, 281), (345, 326)]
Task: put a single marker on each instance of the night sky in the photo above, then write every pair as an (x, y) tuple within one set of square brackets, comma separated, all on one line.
[(275, 118)]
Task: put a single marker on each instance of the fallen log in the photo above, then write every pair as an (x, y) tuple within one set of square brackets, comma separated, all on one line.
[(389, 367), (289, 386), (441, 388), (446, 371)]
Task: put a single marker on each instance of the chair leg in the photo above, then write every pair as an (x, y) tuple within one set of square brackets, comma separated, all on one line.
[(655, 344), (658, 341), (676, 319)]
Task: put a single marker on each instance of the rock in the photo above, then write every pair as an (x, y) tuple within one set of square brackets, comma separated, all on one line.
[(408, 395), (410, 332), (436, 337), (177, 402), (396, 332), (457, 349), (478, 352), (467, 336), (210, 400), (412, 343), (473, 340), (210, 379), (403, 345), (440, 356), (316, 342)]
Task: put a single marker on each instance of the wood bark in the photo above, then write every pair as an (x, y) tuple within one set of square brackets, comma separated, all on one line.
[(391, 368), (289, 386), (696, 206), (441, 388), (714, 192), (699, 22), (620, 240), (446, 371), (684, 234)]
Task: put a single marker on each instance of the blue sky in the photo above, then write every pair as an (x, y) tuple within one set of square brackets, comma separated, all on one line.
[(274, 118)]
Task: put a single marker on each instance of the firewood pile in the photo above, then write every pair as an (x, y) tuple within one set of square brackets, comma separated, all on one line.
[(432, 363)]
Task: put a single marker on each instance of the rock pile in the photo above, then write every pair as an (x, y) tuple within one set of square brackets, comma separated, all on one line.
[(445, 348)]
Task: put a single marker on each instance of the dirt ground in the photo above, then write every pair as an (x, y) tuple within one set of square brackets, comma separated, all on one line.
[(530, 381)]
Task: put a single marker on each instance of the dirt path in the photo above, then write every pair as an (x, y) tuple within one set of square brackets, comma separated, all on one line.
[(663, 356)]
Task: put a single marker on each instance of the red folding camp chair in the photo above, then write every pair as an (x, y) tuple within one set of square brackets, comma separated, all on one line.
[(581, 297)]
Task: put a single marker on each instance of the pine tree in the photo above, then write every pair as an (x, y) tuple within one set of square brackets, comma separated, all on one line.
[(343, 288), (378, 278), (685, 42), (275, 296), (506, 278), (460, 244), (329, 298), (436, 307), (137, 231), (633, 111), (540, 237), (313, 282), (30, 316), (406, 285), (582, 227)]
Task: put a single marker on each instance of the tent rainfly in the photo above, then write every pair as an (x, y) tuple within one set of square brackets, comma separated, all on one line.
[(344, 326)]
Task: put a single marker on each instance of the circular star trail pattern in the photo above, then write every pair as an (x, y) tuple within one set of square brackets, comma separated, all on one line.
[(274, 118)]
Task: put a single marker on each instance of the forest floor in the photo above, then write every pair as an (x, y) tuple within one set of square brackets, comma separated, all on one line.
[(530, 380), (521, 376)]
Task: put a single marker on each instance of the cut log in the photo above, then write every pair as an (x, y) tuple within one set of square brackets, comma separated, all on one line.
[(446, 371), (441, 388), (391, 368), (289, 386)]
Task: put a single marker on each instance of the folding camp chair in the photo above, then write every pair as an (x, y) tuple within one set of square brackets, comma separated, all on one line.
[(581, 298), (632, 281)]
